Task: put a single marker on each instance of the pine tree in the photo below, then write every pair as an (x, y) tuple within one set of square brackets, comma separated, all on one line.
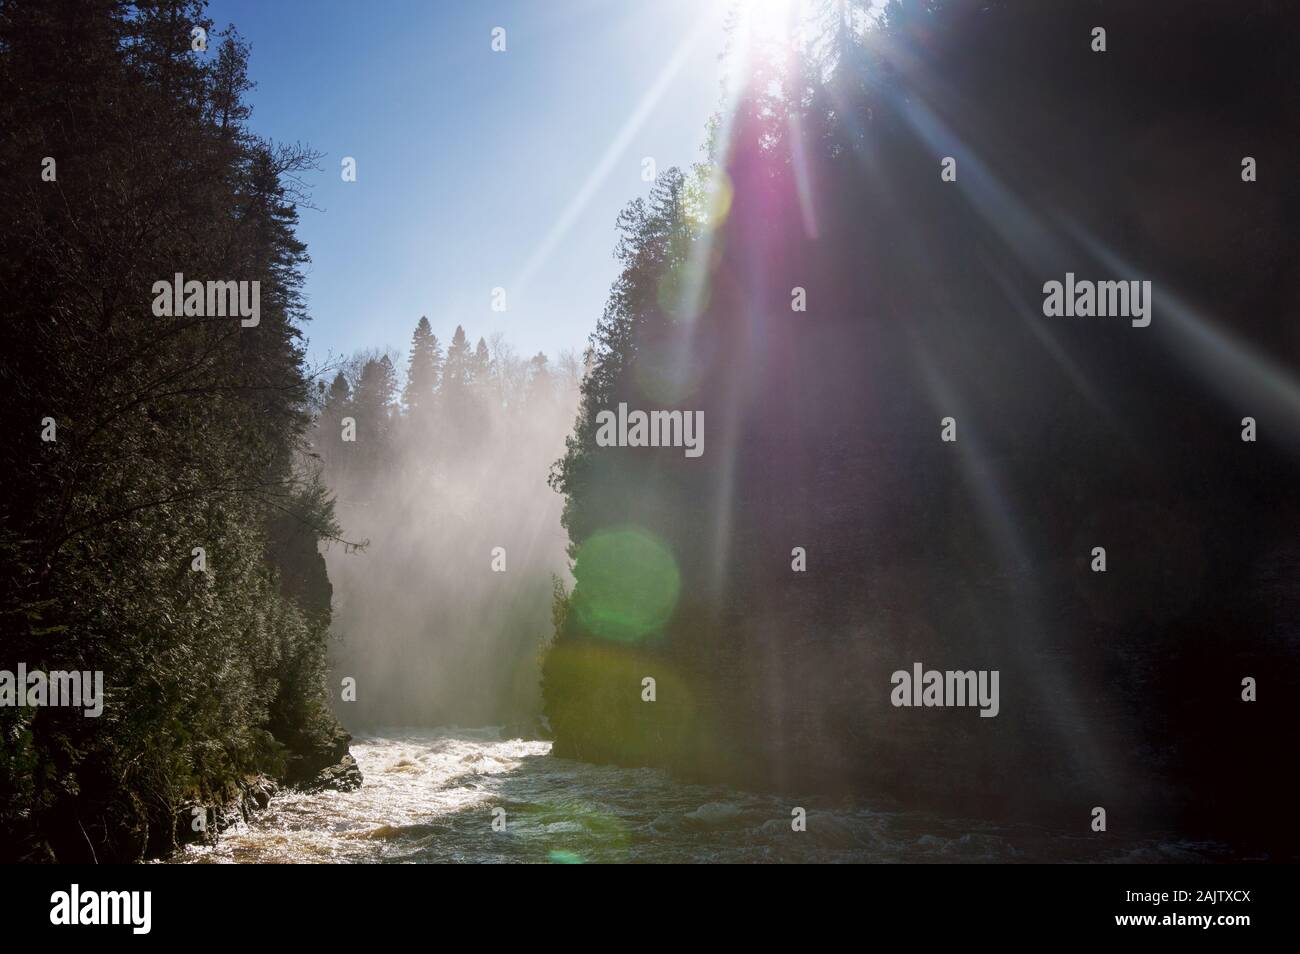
[(338, 396), (388, 384), (371, 404), (457, 367), (175, 433), (327, 441), (540, 385), (480, 365), (454, 389), (422, 370)]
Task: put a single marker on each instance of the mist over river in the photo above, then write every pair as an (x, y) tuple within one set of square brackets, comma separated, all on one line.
[(429, 796)]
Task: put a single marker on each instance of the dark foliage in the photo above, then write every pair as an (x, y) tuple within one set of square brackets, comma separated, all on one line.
[(172, 433), (1119, 689)]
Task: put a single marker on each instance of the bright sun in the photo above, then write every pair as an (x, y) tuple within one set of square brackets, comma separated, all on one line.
[(766, 19)]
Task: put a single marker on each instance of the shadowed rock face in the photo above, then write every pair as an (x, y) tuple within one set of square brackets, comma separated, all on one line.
[(323, 763), (1119, 689), (345, 776)]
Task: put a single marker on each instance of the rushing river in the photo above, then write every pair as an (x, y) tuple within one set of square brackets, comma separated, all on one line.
[(430, 796)]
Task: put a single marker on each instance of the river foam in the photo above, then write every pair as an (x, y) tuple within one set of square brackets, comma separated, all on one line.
[(430, 796)]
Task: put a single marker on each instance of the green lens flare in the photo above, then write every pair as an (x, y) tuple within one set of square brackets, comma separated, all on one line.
[(627, 584)]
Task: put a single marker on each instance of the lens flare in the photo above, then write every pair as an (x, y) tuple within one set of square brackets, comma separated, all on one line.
[(627, 584)]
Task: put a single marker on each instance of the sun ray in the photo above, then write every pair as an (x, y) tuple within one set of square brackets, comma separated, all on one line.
[(600, 172)]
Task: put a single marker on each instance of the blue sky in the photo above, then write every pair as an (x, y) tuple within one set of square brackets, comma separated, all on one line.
[(467, 159)]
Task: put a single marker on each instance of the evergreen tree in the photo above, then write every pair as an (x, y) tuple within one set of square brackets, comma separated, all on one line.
[(422, 370), (540, 385), (372, 402), (456, 376), (481, 365), (457, 367), (337, 399), (328, 437), (388, 385), (922, 303), (169, 535)]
